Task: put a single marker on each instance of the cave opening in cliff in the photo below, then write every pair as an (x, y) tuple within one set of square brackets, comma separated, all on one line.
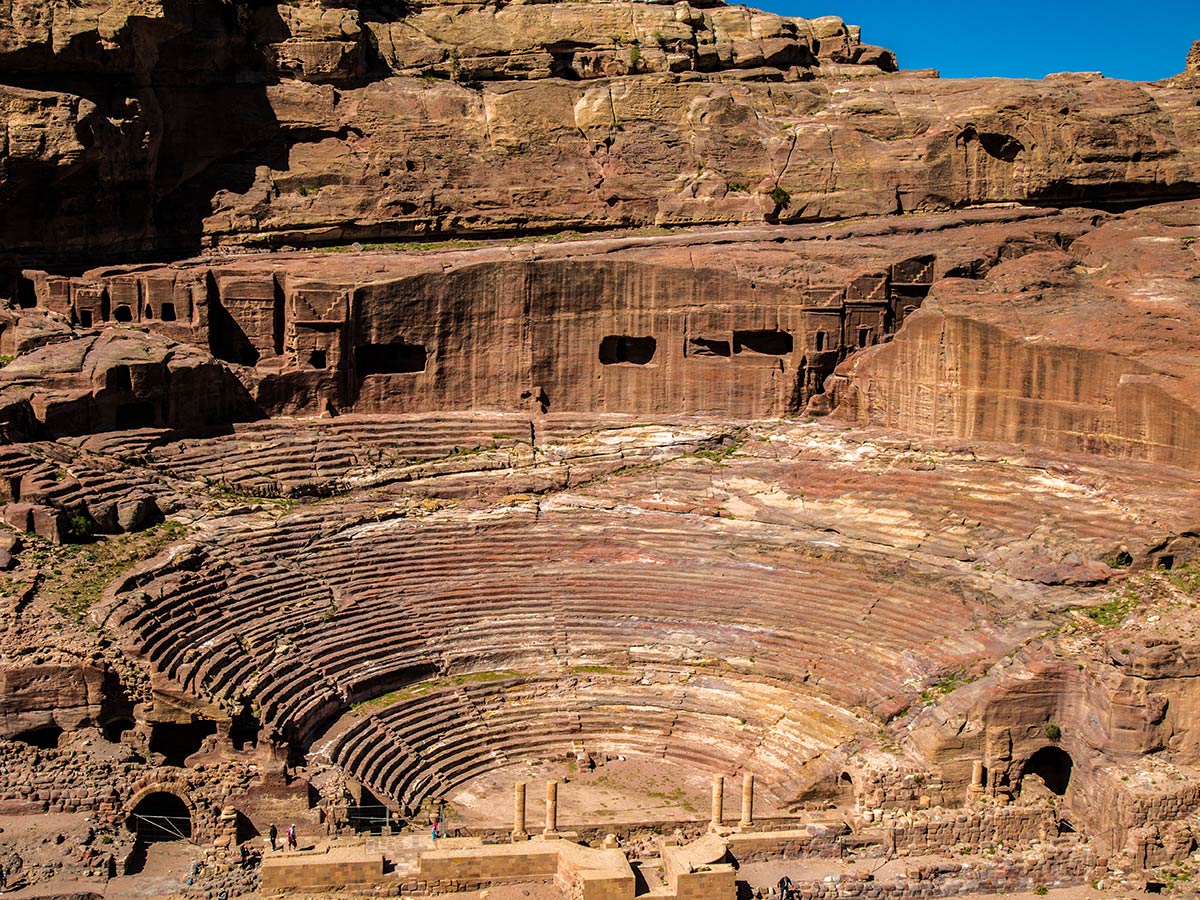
[(318, 359), (1053, 766), (766, 343), (138, 414), (621, 348), (398, 358), (123, 313), (178, 741), (118, 379), (26, 293), (85, 318), (160, 816), (702, 347), (167, 312), (44, 738), (114, 729)]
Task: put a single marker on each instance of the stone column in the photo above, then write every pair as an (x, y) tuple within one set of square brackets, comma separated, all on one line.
[(977, 775), (519, 833), (551, 807), (747, 801), (718, 801)]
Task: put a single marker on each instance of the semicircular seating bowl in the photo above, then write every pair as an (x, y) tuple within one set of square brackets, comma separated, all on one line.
[(307, 615), (435, 737)]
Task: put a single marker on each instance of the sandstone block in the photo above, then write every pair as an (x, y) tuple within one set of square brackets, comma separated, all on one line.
[(10, 545)]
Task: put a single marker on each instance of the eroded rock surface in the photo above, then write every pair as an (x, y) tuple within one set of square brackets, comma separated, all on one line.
[(786, 414), (158, 127)]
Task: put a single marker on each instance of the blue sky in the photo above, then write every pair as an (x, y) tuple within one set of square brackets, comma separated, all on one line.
[(1143, 41)]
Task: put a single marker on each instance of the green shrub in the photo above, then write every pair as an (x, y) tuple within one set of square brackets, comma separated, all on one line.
[(80, 528), (780, 197), (1052, 731)]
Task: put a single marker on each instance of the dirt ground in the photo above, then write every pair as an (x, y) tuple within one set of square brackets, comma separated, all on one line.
[(767, 874), (617, 791)]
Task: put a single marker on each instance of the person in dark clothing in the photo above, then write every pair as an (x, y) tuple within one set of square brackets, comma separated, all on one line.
[(273, 834)]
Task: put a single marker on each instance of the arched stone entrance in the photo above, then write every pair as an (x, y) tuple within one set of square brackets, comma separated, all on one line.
[(1053, 766), (160, 815)]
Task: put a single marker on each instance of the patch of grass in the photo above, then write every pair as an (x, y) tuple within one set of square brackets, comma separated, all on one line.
[(1115, 611), (737, 187), (1118, 559), (404, 247), (946, 684), (5, 360), (595, 670), (234, 494), (75, 575), (434, 684), (1187, 578), (729, 445)]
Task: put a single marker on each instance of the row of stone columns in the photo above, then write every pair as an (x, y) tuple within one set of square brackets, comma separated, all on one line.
[(718, 801), (519, 832)]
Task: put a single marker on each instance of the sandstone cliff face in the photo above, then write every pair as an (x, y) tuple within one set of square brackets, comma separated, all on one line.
[(152, 127), (1078, 350), (745, 324)]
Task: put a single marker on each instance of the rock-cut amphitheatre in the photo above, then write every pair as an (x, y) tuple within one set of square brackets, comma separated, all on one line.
[(671, 447)]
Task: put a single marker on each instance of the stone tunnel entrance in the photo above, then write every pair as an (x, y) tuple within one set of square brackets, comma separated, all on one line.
[(160, 816), (1053, 766)]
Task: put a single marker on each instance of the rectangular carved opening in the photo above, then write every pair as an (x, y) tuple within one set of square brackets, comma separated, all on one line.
[(318, 359), (85, 318), (26, 293), (227, 340), (167, 313), (123, 313), (389, 359), (621, 348), (701, 347), (765, 343), (118, 379), (139, 414)]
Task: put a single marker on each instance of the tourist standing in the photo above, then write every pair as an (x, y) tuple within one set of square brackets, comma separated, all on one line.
[(273, 834)]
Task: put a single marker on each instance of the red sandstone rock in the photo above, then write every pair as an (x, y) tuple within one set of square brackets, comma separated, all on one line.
[(1088, 349), (462, 118)]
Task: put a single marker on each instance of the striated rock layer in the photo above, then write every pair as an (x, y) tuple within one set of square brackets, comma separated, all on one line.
[(860, 454), (157, 127), (1071, 330)]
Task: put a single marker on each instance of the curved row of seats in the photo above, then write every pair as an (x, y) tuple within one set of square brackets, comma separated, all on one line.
[(429, 743), (285, 458), (310, 614)]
